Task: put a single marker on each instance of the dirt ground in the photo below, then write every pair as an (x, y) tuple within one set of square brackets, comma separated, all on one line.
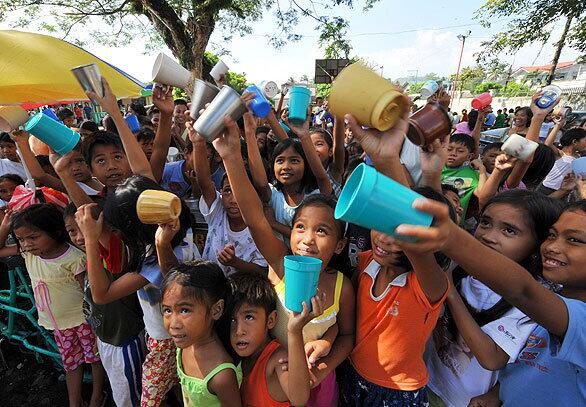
[(26, 382)]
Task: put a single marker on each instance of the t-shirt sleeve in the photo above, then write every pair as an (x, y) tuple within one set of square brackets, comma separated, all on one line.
[(573, 346), (213, 211), (167, 173), (78, 265), (152, 273), (510, 332)]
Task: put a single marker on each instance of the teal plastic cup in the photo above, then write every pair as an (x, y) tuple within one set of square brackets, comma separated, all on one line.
[(60, 138), (301, 277), (373, 201), (299, 98)]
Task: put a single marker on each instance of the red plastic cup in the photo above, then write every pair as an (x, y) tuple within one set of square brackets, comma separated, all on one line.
[(481, 101)]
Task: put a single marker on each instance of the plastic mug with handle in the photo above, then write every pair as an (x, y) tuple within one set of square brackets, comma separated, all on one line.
[(369, 194), (518, 146), (301, 278), (60, 138), (155, 207)]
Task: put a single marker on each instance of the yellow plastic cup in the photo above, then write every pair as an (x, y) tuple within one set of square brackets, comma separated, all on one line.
[(371, 99), (157, 207)]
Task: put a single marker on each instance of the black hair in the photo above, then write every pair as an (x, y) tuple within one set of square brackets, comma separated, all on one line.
[(179, 102), (543, 160), (325, 134), (153, 110), (353, 162), (64, 113), (472, 119), (99, 138), (120, 212), (16, 179), (109, 124), (89, 125), (449, 188), (262, 129), (253, 288), (69, 210), (138, 108), (205, 282), (578, 206), (144, 121), (145, 135), (528, 113), (188, 147), (45, 217), (464, 139), (540, 212), (492, 146), (569, 136), (324, 201), (460, 180), (5, 138), (308, 181)]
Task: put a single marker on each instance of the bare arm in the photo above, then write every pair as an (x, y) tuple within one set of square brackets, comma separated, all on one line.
[(37, 172), (202, 166), (337, 165), (478, 128), (432, 158), (272, 249), (489, 354), (136, 157), (255, 164), (323, 181), (163, 100), (163, 237), (553, 132), (225, 386), (431, 277), (276, 127), (76, 194)]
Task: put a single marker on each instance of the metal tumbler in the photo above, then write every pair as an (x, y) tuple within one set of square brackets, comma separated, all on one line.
[(89, 78), (203, 93), (211, 122)]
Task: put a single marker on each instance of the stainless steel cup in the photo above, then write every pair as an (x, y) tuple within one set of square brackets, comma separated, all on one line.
[(203, 92), (89, 78), (211, 122)]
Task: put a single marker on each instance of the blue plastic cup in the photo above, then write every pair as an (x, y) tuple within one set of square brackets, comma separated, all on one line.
[(299, 98), (133, 123), (301, 277), (260, 105), (579, 167), (49, 112), (373, 201), (60, 138)]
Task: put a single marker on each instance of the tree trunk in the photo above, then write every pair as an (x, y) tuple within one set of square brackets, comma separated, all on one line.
[(200, 29), (558, 50)]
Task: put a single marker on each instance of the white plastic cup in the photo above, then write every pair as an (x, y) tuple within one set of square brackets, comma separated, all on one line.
[(518, 146), (218, 70), (168, 72), (428, 89), (269, 88)]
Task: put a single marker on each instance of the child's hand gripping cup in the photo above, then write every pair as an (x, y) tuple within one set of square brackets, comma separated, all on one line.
[(299, 99), (59, 137), (370, 98), (12, 117), (371, 200), (260, 105), (301, 277), (155, 207)]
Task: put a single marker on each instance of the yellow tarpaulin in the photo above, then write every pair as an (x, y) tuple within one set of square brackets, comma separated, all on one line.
[(35, 68)]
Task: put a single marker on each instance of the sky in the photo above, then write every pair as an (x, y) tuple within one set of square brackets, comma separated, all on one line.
[(401, 41)]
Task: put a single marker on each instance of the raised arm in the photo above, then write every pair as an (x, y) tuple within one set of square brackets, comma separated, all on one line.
[(136, 157), (228, 146), (431, 277), (165, 254), (384, 148), (201, 165), (61, 165), (433, 159), (275, 126), (255, 164), (538, 117), (337, 165), (323, 181), (490, 188), (163, 100), (103, 289), (478, 128), (21, 138), (501, 274), (490, 356)]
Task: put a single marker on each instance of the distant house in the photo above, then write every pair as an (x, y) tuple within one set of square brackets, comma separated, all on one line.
[(569, 75)]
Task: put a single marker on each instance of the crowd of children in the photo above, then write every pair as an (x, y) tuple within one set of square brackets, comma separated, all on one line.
[(484, 306)]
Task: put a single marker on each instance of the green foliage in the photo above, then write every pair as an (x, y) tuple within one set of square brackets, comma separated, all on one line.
[(486, 86), (470, 77), (415, 87), (333, 39), (323, 90), (179, 93), (515, 89), (233, 79), (531, 21)]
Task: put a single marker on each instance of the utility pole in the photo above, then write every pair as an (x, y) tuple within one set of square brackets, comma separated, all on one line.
[(461, 37)]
